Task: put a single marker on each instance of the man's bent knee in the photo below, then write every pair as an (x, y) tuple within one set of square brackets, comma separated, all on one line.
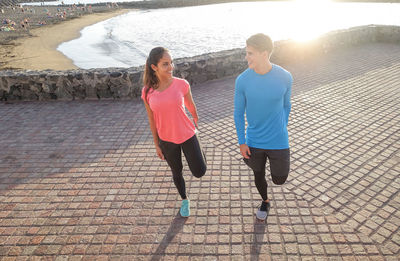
[(279, 180)]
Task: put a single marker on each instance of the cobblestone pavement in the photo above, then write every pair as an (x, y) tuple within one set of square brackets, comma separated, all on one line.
[(80, 180)]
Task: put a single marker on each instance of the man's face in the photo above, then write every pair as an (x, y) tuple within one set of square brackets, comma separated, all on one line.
[(255, 58)]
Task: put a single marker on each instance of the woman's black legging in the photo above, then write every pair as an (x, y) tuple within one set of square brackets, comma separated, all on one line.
[(195, 158), (279, 163)]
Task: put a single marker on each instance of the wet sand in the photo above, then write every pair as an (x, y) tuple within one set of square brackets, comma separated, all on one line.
[(39, 51)]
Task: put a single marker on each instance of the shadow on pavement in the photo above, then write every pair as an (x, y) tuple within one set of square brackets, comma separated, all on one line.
[(258, 239), (176, 227)]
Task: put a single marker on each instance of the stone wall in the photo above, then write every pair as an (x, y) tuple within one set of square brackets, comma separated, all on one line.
[(126, 83)]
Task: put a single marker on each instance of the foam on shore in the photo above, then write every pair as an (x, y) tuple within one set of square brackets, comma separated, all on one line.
[(40, 51)]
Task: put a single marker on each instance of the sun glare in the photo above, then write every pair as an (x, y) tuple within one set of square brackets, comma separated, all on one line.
[(312, 1), (310, 16)]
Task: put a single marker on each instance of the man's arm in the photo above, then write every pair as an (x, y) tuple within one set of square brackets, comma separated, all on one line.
[(287, 105), (238, 115)]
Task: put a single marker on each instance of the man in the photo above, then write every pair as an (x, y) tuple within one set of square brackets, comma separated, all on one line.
[(262, 92)]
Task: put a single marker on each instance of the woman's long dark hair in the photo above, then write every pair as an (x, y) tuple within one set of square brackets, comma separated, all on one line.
[(150, 78)]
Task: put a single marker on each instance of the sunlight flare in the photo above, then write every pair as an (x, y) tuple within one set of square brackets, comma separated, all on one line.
[(313, 2), (309, 14)]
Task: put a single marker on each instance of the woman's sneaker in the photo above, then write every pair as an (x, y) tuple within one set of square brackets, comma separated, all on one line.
[(262, 212), (185, 208)]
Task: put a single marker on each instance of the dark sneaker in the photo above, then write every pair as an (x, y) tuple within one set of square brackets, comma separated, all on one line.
[(262, 212)]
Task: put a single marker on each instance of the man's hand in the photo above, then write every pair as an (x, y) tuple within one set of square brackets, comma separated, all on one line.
[(245, 151)]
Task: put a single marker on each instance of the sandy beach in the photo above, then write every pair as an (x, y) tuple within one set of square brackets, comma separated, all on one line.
[(39, 51)]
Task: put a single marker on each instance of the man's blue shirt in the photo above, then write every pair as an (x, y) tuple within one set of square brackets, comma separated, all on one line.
[(265, 99)]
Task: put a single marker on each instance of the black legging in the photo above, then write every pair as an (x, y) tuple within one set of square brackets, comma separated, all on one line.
[(195, 158), (279, 163)]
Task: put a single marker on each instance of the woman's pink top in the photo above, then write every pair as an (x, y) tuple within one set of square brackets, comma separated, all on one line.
[(168, 106)]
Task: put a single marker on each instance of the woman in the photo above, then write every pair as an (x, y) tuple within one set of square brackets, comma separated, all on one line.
[(165, 98)]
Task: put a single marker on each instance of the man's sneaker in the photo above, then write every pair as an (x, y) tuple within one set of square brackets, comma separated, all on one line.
[(262, 212), (185, 208)]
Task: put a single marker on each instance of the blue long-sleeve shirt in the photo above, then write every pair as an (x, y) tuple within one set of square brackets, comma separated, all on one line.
[(266, 101)]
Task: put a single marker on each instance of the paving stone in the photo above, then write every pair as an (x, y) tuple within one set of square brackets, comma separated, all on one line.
[(80, 180)]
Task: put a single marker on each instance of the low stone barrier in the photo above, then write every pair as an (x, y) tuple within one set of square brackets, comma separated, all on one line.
[(126, 83)]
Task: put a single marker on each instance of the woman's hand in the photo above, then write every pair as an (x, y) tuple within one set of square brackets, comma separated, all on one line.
[(159, 153), (196, 119)]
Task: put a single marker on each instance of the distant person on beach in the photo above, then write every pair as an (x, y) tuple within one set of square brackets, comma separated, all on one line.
[(262, 93), (165, 98)]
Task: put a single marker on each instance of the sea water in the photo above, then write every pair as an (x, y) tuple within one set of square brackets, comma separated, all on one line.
[(125, 40)]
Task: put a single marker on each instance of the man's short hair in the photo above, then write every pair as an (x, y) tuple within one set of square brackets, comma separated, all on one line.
[(261, 43)]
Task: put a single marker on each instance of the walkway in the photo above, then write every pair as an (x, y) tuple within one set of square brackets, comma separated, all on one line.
[(80, 180)]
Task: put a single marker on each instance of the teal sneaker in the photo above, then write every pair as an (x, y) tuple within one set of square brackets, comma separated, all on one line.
[(185, 208)]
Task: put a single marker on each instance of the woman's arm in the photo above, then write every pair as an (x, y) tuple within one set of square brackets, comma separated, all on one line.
[(189, 103), (153, 130)]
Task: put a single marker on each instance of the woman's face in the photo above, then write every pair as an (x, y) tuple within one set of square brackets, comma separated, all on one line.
[(165, 67)]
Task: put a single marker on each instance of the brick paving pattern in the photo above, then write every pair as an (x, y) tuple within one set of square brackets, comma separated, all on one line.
[(80, 180)]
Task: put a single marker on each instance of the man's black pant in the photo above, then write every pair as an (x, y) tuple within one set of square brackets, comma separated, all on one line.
[(279, 163)]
